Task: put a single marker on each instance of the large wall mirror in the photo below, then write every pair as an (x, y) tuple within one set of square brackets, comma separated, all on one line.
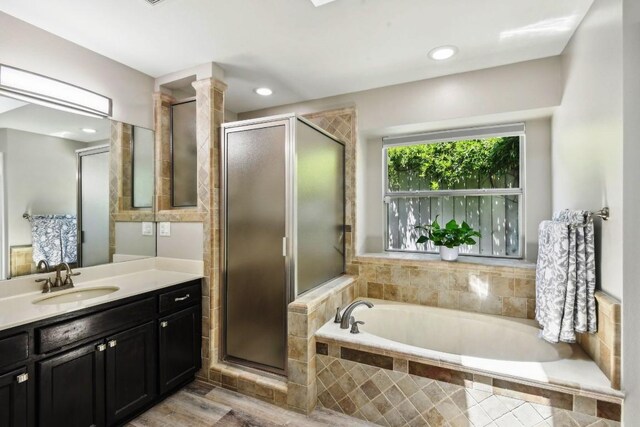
[(55, 204)]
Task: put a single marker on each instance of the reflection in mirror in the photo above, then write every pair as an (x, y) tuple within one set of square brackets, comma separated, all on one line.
[(93, 206), (184, 154), (142, 167), (54, 194)]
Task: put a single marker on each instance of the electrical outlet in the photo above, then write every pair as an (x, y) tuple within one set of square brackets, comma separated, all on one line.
[(164, 229), (147, 229)]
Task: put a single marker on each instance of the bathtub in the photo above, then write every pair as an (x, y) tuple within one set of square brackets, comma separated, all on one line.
[(497, 346)]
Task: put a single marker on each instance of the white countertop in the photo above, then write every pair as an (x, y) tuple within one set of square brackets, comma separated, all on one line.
[(133, 278)]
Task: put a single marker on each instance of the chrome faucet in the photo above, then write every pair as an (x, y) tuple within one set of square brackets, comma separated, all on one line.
[(345, 320)]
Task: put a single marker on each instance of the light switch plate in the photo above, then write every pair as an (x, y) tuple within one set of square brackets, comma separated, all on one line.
[(164, 229), (147, 229)]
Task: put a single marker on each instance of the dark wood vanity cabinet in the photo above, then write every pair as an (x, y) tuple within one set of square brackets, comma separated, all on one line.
[(13, 398), (130, 371), (179, 342), (104, 365), (71, 388)]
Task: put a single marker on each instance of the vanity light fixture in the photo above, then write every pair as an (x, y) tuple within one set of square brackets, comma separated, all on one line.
[(88, 130), (263, 91), (443, 52), (42, 90)]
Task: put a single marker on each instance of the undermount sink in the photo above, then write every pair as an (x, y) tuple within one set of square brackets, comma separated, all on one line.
[(75, 295)]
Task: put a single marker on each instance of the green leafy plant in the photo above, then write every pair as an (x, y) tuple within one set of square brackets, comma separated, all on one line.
[(451, 235)]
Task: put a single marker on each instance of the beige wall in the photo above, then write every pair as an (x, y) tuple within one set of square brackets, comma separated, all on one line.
[(24, 46), (587, 133), (510, 88), (519, 92), (631, 195), (131, 241), (185, 242)]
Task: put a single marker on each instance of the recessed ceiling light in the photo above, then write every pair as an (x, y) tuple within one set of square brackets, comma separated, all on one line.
[(263, 91), (318, 3), (443, 52), (89, 130)]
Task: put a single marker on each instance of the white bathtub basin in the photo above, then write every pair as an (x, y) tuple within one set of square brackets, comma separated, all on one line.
[(461, 333), (495, 345)]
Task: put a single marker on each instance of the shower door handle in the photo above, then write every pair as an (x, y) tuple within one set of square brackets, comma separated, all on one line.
[(284, 246)]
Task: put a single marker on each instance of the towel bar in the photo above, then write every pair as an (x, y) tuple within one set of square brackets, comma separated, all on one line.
[(588, 218)]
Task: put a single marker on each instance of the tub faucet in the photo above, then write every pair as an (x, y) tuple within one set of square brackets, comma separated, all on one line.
[(346, 316)]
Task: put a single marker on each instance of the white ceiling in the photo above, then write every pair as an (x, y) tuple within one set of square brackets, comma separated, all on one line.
[(304, 52), (48, 121)]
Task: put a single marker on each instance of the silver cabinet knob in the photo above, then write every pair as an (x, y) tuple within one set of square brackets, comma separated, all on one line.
[(22, 378), (101, 347), (112, 343), (182, 298), (164, 324)]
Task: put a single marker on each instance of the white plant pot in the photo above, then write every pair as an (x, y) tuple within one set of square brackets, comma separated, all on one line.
[(448, 254)]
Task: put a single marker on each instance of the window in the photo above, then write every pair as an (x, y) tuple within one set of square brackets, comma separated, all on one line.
[(471, 175)]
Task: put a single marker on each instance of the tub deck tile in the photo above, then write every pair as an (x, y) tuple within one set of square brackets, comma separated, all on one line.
[(611, 411), (556, 399), (440, 374), (402, 399), (372, 359)]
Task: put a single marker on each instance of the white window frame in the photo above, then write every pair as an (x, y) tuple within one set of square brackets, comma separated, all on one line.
[(513, 129)]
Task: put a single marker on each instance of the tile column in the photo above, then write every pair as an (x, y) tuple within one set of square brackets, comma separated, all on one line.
[(209, 117)]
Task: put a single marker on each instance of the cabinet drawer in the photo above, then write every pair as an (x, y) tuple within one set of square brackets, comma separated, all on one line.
[(183, 297), (14, 349), (65, 333)]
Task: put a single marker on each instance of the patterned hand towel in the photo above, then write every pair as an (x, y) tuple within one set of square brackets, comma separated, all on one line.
[(580, 311), (551, 277), (45, 239), (54, 238)]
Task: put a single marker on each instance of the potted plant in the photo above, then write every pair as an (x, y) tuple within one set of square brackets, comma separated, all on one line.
[(448, 238)]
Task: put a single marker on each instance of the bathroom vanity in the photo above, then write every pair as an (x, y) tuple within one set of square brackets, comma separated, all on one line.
[(103, 364)]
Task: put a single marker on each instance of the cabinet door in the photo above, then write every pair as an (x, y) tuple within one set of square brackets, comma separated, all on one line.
[(131, 371), (71, 388), (13, 399), (179, 355)]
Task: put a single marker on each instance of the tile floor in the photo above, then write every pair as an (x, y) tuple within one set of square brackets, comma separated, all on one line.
[(200, 404)]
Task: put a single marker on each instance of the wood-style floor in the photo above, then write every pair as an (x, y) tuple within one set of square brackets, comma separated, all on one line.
[(200, 404)]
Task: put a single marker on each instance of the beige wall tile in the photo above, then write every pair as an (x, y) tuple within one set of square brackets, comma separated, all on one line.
[(514, 307)]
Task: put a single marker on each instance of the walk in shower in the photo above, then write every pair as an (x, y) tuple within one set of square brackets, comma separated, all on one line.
[(283, 229)]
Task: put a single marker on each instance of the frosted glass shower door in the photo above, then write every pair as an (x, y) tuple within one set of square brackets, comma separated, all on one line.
[(320, 207), (256, 205)]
